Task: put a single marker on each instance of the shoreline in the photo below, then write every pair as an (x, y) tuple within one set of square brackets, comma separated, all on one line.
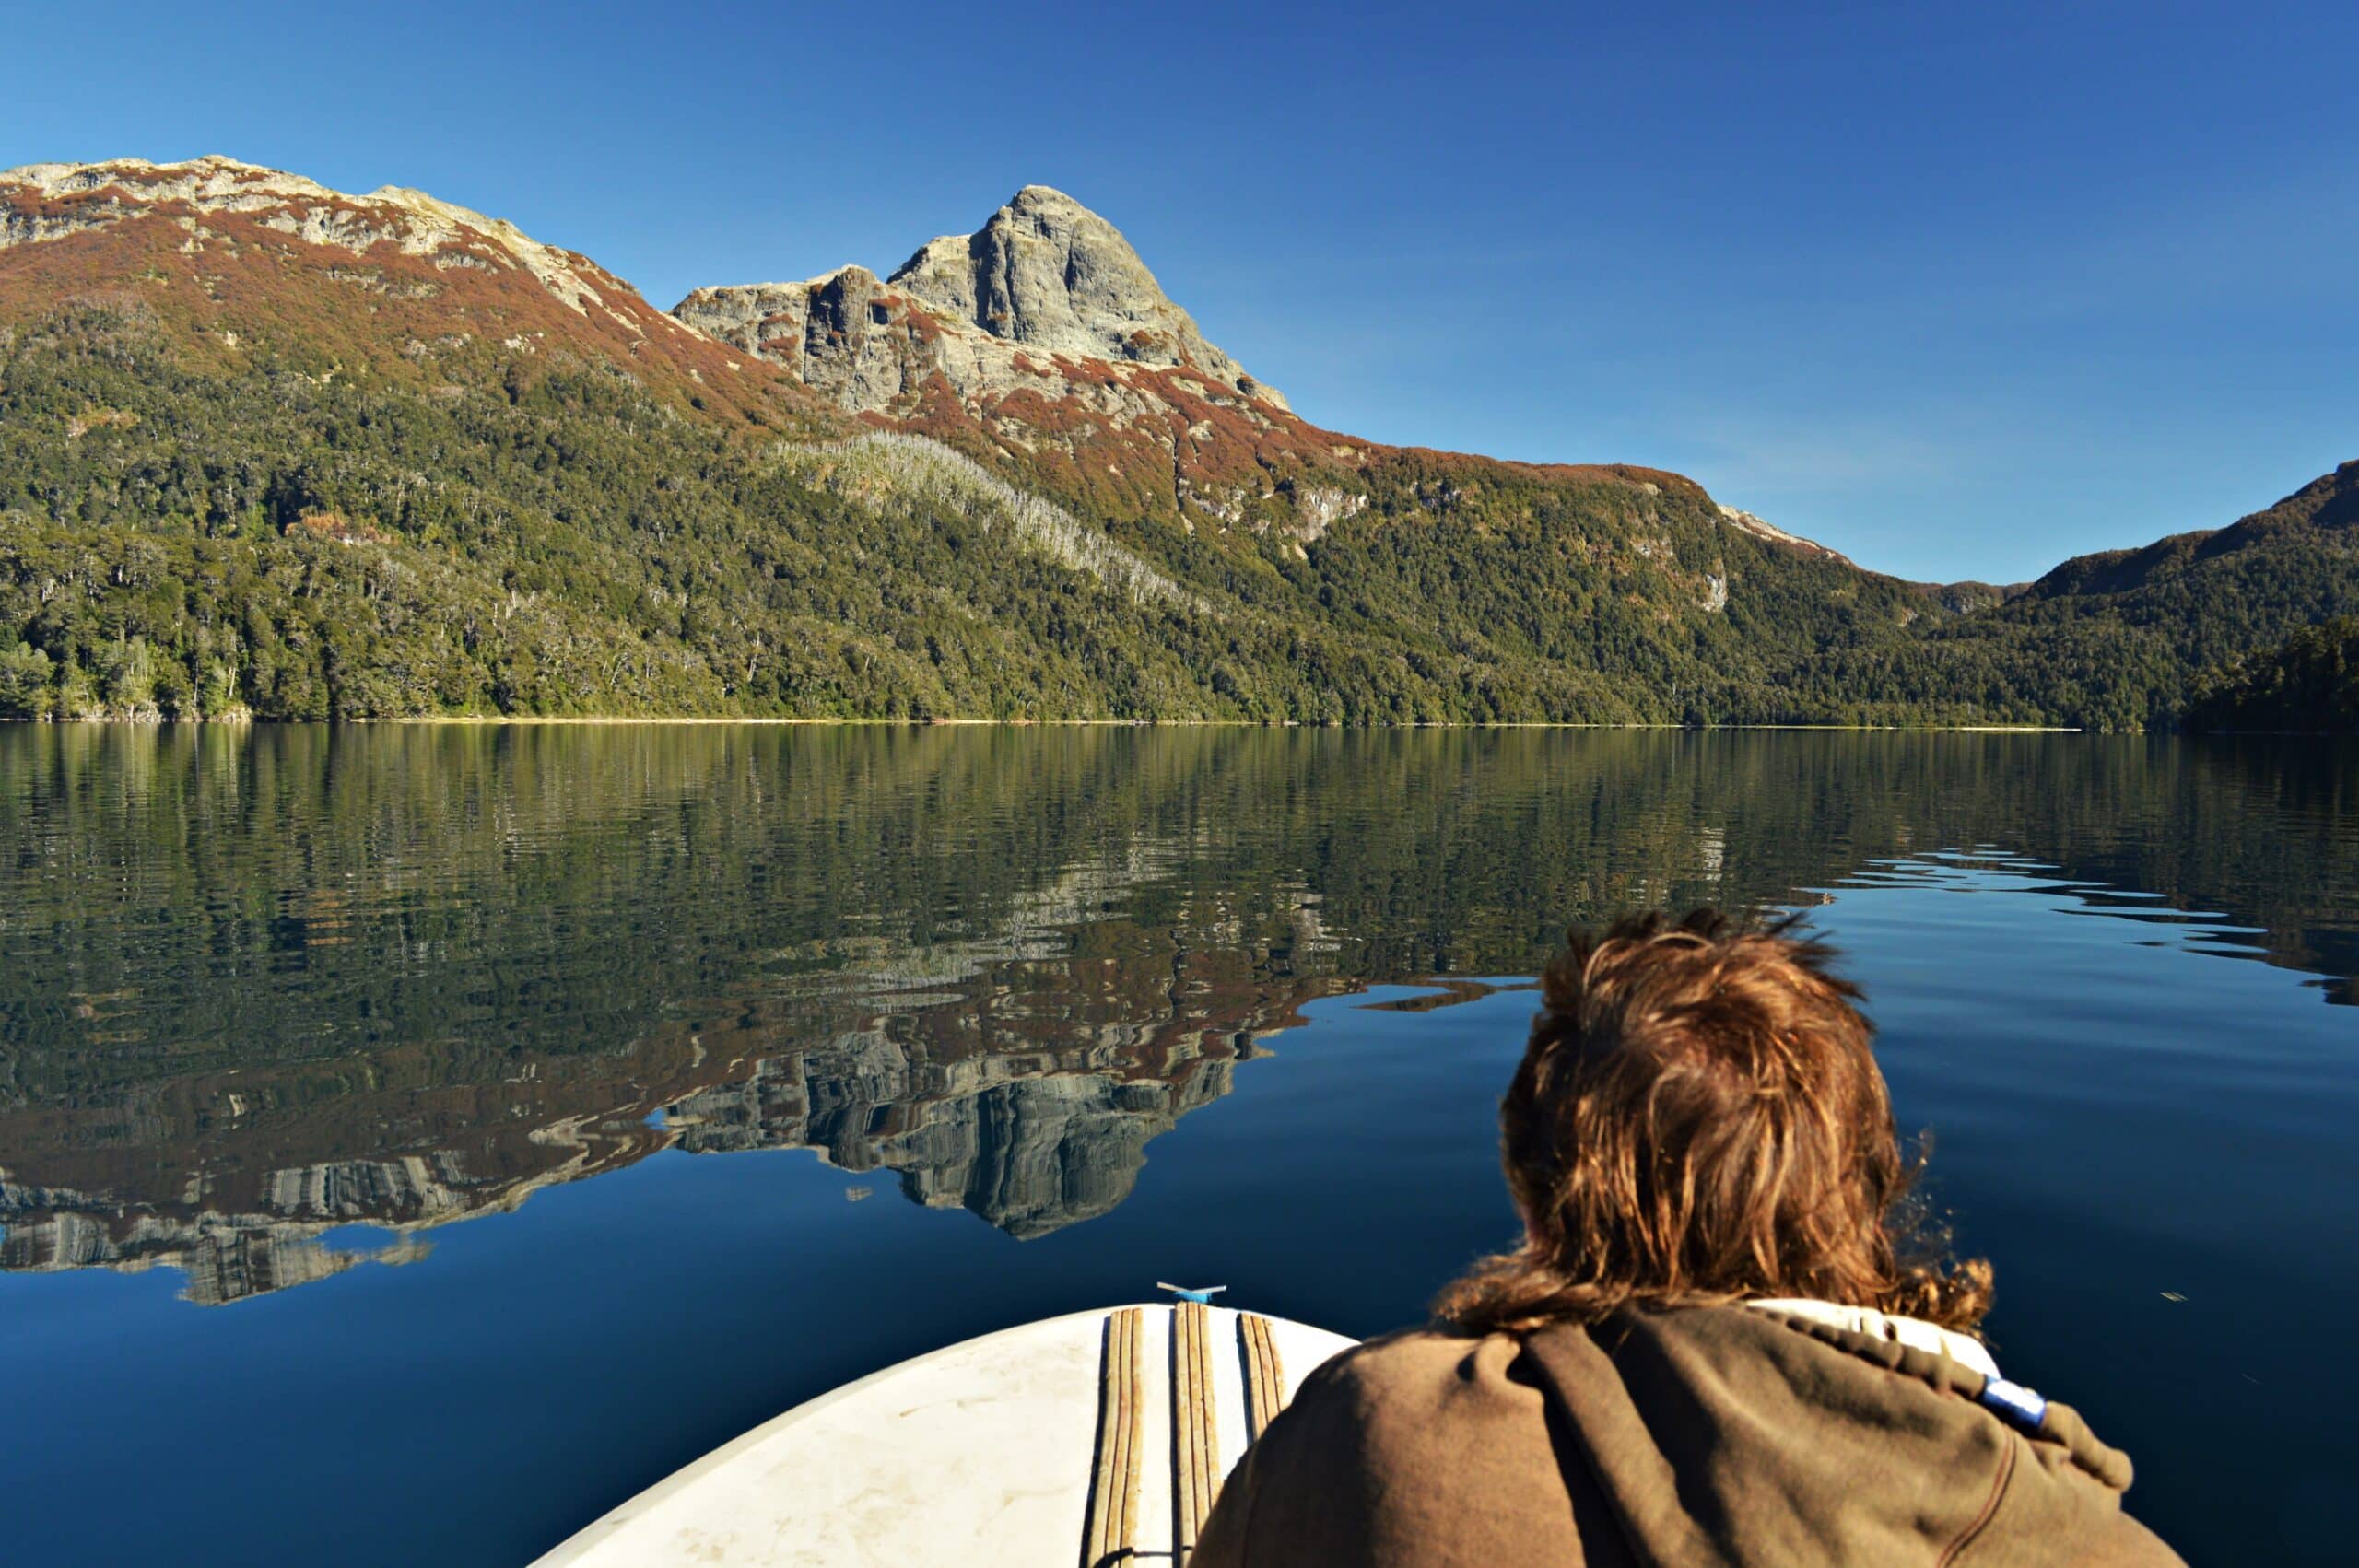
[(773, 720)]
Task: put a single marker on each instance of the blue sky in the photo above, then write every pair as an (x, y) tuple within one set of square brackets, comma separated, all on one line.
[(1959, 295)]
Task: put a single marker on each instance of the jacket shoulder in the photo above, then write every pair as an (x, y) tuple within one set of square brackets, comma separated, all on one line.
[(1417, 1447)]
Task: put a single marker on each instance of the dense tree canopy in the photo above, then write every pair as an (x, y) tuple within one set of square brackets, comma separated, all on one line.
[(2309, 684), (182, 536)]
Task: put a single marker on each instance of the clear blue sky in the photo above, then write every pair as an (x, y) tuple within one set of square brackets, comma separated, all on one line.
[(1959, 296)]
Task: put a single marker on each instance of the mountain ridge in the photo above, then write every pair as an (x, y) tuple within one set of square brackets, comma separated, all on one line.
[(1043, 273), (1043, 341), (207, 234), (269, 449), (2328, 505), (1167, 422), (115, 189)]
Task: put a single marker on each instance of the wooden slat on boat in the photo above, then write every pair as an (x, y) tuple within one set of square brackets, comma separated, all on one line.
[(1265, 1385), (1113, 1533), (1196, 1443)]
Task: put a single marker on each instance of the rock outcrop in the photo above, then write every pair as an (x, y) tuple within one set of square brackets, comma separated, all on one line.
[(1048, 273), (991, 312), (1041, 341), (1760, 528)]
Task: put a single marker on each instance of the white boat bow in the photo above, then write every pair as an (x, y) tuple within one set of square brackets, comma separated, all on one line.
[(1085, 1439)]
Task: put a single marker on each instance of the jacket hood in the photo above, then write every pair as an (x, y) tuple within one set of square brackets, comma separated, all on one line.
[(1694, 1438), (1727, 1436)]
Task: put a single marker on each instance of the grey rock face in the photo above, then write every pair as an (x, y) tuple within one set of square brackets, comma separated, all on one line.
[(988, 311), (1048, 272), (825, 331)]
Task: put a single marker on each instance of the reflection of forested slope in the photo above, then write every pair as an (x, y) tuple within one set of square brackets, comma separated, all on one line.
[(257, 984)]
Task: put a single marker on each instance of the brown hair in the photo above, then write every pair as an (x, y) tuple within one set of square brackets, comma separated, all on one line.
[(1699, 1118)]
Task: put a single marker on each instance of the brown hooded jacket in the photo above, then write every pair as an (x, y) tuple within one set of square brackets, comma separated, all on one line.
[(1702, 1436)]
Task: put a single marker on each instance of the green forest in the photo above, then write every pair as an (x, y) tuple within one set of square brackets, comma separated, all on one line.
[(271, 540), (2308, 685)]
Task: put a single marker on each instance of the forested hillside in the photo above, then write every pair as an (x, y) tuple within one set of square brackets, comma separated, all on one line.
[(268, 450), (2308, 685), (2120, 640), (184, 541)]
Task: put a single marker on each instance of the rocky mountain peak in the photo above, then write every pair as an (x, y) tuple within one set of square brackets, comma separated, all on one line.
[(1047, 272), (1024, 304)]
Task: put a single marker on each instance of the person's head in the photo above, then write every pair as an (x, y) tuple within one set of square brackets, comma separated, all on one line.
[(1699, 1118)]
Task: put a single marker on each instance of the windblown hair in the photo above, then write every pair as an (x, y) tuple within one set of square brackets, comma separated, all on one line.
[(1699, 1118)]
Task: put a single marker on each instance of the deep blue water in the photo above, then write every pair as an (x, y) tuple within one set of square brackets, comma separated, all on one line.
[(416, 1140)]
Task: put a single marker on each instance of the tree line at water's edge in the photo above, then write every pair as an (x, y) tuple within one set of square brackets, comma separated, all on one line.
[(2308, 685), (271, 540)]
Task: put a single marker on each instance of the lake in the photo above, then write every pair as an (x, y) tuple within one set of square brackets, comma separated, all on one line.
[(414, 1141)]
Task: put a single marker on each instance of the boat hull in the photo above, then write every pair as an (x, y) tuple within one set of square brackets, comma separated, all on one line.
[(1031, 1446)]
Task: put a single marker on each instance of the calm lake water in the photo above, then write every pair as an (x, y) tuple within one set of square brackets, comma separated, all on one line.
[(413, 1141)]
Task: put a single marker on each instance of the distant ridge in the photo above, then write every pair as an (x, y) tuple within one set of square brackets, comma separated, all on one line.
[(2326, 509)]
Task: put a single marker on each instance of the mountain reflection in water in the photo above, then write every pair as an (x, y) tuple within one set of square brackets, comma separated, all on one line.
[(264, 986), (991, 1073)]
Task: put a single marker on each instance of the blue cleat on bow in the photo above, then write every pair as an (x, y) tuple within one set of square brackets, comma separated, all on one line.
[(1201, 1295)]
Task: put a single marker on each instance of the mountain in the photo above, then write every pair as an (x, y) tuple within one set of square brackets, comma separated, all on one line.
[(271, 450), (1046, 280), (268, 267), (2123, 639), (2320, 520), (1042, 339)]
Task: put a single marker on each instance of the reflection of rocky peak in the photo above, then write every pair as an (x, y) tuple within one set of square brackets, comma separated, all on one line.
[(225, 1257), (1029, 1154), (228, 1254), (1001, 1072), (1041, 1153)]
